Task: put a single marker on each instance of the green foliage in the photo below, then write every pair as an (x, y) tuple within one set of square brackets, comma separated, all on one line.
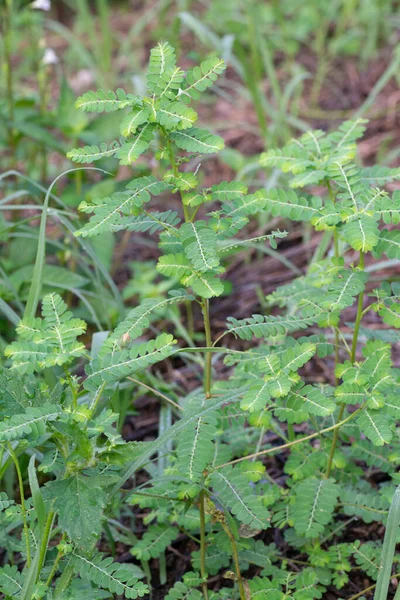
[(11, 581), (234, 491), (313, 507), (79, 503), (167, 85), (104, 101), (320, 407), (154, 542), (48, 341), (109, 575), (195, 448), (113, 366)]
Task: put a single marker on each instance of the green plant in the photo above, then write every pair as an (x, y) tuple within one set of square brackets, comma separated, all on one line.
[(203, 477)]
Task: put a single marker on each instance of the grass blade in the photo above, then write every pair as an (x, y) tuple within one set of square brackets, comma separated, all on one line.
[(37, 279), (388, 550)]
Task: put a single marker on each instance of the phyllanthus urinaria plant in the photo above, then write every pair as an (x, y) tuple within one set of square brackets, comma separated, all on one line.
[(207, 475)]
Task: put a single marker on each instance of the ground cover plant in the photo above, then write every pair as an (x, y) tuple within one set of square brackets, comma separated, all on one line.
[(206, 478)]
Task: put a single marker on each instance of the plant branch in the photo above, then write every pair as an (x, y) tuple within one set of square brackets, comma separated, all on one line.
[(208, 357), (352, 359), (23, 507), (298, 441), (235, 554), (156, 393), (369, 589), (203, 545)]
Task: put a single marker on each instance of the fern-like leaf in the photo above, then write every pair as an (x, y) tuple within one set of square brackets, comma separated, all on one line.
[(271, 238), (361, 233), (107, 211), (153, 543), (228, 191), (261, 326), (162, 60), (132, 121), (115, 366), (130, 151), (199, 242), (195, 448), (389, 243), (291, 158), (149, 222), (348, 132), (105, 100), (368, 506), (375, 426), (197, 140), (257, 397), (49, 341), (174, 265), (182, 591), (344, 288), (11, 581), (89, 154), (391, 315), (313, 400), (314, 504), (378, 175), (139, 319), (289, 205), (202, 77), (5, 502), (234, 491), (109, 575), (175, 116), (264, 588), (367, 556), (388, 209), (206, 285), (32, 423)]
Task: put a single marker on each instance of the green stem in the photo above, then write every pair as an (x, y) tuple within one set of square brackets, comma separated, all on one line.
[(156, 392), (186, 215), (235, 556), (203, 545), (358, 316), (208, 355), (352, 359), (370, 588), (23, 507), (295, 442), (290, 432), (55, 565), (334, 442), (189, 317)]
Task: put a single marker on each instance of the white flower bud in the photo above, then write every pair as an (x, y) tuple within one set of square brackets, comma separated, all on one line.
[(41, 5), (49, 57)]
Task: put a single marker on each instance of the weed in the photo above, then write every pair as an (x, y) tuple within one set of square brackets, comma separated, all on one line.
[(203, 475)]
